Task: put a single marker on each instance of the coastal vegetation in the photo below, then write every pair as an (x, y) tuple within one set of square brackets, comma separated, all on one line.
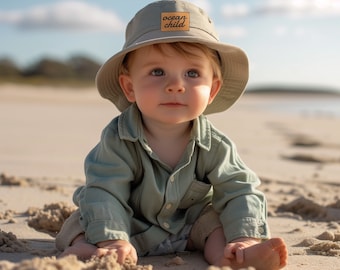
[(78, 70)]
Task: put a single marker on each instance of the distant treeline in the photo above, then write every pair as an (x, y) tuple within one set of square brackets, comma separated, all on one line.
[(81, 70), (75, 69)]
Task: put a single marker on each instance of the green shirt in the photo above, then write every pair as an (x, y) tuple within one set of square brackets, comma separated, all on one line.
[(130, 194)]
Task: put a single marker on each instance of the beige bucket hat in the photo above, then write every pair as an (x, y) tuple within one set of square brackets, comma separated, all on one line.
[(176, 21)]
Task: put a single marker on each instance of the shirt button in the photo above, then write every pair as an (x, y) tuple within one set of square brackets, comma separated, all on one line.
[(166, 225), (172, 178), (261, 230), (168, 206)]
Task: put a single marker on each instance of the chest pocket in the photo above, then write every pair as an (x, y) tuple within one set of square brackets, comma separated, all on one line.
[(195, 193)]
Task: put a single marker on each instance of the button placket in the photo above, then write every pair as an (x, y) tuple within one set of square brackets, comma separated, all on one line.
[(168, 205)]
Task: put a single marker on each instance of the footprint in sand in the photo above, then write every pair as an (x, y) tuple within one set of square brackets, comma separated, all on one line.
[(305, 141), (304, 157)]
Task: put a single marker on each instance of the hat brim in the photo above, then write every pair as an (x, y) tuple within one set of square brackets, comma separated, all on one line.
[(234, 68)]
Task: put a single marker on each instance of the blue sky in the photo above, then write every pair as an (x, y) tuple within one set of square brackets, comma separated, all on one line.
[(291, 42)]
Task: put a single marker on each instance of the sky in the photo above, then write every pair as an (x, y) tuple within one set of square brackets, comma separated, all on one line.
[(288, 42)]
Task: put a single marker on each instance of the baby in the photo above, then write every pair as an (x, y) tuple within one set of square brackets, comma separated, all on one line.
[(163, 179)]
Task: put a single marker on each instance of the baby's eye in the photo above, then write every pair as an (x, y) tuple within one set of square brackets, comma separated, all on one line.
[(157, 72), (192, 74)]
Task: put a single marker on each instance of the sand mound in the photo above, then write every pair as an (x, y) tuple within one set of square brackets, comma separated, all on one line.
[(11, 180), (309, 209), (8, 180), (326, 244), (50, 218), (8, 214), (10, 243)]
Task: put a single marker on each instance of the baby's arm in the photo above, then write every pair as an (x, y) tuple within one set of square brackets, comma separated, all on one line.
[(84, 250)]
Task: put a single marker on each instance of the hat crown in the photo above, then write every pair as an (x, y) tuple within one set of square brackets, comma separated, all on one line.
[(168, 18)]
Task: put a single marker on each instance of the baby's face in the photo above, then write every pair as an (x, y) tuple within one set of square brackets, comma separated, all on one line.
[(167, 86)]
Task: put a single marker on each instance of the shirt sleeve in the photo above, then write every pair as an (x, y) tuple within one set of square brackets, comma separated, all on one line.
[(109, 168), (241, 206)]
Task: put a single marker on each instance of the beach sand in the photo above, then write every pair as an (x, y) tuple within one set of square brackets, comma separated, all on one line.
[(45, 134)]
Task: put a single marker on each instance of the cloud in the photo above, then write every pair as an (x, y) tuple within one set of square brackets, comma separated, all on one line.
[(233, 32), (65, 15), (204, 4), (299, 8), (235, 10), (280, 30)]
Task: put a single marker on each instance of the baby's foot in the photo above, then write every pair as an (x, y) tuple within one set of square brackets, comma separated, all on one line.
[(268, 255)]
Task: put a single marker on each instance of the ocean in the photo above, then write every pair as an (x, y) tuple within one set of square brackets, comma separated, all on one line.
[(323, 107)]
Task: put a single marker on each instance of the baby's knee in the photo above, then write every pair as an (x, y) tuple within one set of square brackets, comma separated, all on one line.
[(206, 223), (70, 230)]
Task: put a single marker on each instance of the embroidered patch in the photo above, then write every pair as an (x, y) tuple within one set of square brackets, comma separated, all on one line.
[(175, 21)]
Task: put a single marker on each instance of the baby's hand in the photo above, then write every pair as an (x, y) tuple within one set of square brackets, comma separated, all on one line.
[(122, 248), (235, 249)]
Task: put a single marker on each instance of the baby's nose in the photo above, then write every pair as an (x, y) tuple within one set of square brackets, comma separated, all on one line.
[(175, 85)]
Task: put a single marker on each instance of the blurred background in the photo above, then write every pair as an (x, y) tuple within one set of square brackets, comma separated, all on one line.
[(290, 43), (293, 48)]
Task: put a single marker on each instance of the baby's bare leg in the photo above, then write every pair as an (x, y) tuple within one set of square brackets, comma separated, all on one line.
[(81, 248), (214, 248), (269, 255)]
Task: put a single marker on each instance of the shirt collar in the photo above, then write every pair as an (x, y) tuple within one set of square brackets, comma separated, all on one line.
[(130, 127)]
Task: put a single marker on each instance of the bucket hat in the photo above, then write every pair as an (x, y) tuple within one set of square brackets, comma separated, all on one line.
[(169, 21)]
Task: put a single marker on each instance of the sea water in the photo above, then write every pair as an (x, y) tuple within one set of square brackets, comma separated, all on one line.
[(326, 107)]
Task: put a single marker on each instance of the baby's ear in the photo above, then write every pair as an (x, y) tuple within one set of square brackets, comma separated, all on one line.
[(127, 87), (215, 88)]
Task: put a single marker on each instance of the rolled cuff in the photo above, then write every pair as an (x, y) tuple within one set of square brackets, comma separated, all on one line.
[(247, 227), (99, 231)]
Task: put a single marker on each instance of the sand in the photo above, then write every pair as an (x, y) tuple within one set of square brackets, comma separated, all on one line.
[(45, 134)]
